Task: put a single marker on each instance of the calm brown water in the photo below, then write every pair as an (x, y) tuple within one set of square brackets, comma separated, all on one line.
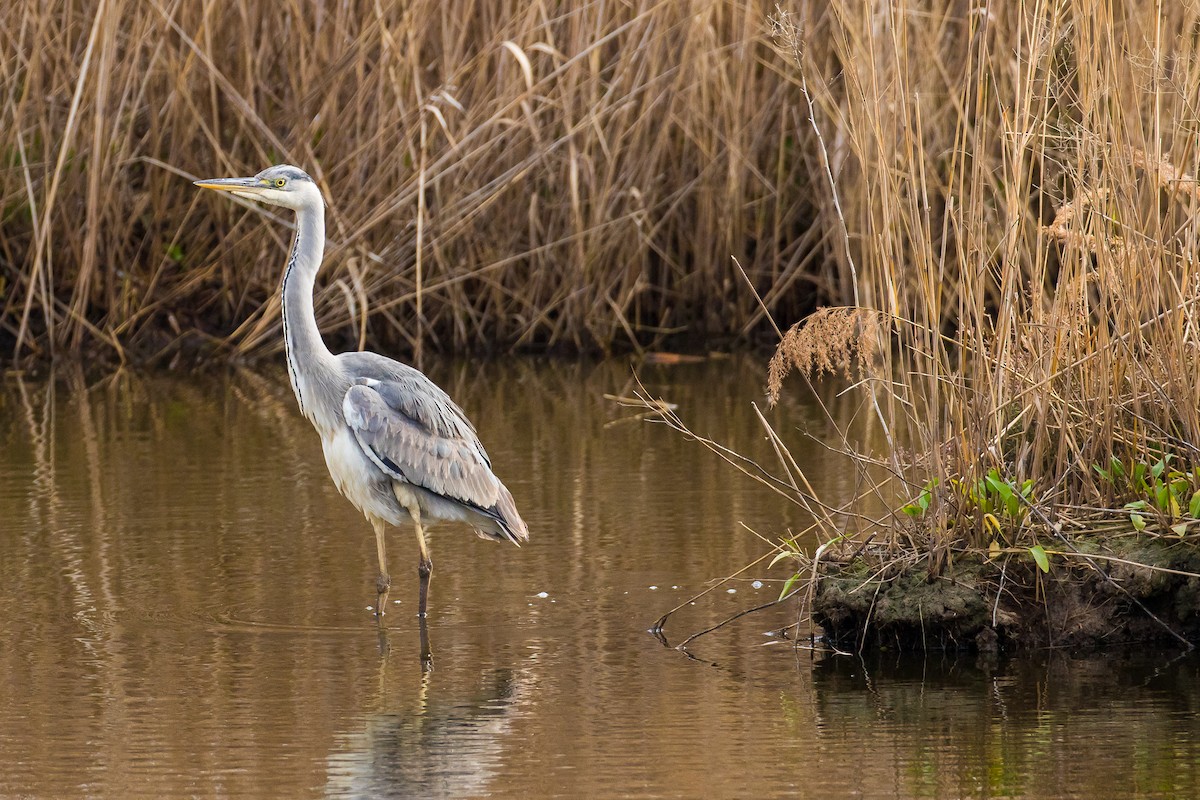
[(183, 614)]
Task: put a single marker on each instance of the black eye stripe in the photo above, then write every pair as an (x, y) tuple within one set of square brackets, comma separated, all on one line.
[(287, 175)]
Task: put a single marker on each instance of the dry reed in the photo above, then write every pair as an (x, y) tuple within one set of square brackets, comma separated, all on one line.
[(829, 341), (1015, 181), (502, 174)]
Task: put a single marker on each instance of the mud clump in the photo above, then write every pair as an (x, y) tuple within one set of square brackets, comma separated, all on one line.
[(1008, 604)]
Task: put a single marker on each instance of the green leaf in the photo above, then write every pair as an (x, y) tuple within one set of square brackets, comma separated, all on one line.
[(780, 556), (1180, 529), (1139, 523), (1157, 469), (1012, 505), (1008, 500), (1103, 472), (1194, 506), (1137, 505), (1039, 555), (1138, 478), (998, 486), (787, 585), (981, 498), (1162, 495)]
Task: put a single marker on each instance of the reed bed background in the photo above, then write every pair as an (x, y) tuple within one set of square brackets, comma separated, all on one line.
[(1014, 191), (1010, 189), (501, 174)]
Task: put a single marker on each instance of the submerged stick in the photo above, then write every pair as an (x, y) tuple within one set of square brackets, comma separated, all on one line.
[(657, 628), (738, 615)]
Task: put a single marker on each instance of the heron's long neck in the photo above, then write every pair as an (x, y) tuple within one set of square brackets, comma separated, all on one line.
[(309, 361)]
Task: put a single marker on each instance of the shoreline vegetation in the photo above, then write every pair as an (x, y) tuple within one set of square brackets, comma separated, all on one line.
[(984, 216), (1016, 194)]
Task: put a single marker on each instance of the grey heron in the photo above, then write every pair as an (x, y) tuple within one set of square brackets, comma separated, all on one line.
[(396, 445)]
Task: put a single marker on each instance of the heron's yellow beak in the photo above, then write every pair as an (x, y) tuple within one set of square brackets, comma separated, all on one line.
[(240, 186)]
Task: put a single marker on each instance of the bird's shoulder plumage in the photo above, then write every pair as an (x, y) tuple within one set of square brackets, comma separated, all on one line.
[(413, 431)]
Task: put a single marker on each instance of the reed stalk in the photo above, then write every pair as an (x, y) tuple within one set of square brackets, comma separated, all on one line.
[(1016, 185), (501, 174)]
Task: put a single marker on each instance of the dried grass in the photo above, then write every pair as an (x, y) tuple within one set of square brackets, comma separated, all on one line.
[(831, 340), (501, 173), (1016, 185)]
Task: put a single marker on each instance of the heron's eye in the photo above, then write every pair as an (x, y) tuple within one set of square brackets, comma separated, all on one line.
[(281, 182)]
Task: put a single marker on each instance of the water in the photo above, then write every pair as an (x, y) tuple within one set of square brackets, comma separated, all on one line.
[(183, 614)]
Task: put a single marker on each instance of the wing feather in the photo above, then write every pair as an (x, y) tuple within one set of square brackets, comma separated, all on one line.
[(421, 438)]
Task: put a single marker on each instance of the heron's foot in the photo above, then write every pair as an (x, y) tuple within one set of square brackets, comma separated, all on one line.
[(382, 584)]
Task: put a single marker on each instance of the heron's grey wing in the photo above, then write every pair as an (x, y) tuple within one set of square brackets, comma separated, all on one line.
[(411, 393), (415, 437)]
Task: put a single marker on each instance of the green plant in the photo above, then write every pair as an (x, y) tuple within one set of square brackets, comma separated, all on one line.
[(921, 503), (1000, 503), (1155, 490)]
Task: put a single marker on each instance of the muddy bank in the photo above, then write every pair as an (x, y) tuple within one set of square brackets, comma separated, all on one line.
[(1007, 603)]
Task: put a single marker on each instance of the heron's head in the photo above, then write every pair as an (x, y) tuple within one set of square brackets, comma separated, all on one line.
[(283, 185)]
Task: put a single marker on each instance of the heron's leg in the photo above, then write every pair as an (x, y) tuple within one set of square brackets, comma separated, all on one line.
[(426, 651), (383, 582), (424, 567)]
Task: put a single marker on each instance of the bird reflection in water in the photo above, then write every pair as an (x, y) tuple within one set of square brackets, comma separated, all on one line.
[(451, 748)]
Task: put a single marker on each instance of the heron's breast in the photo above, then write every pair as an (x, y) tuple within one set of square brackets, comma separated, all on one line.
[(356, 476)]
